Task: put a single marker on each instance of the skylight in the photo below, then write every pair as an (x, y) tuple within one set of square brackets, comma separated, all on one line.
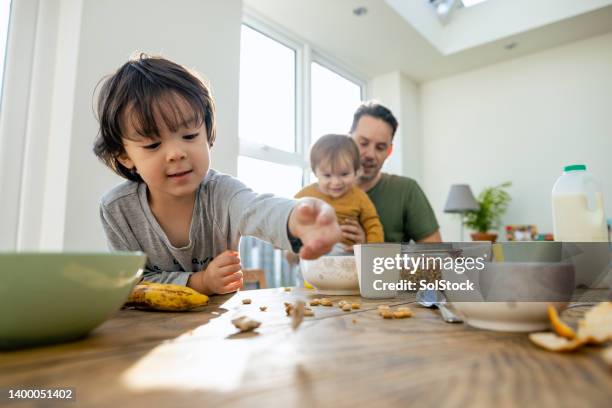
[(470, 3)]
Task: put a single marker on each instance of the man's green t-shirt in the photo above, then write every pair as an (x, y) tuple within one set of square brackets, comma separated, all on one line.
[(403, 208)]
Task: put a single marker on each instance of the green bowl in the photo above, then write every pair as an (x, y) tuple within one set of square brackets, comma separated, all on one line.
[(55, 297)]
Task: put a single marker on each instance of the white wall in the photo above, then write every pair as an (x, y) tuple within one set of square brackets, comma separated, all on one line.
[(102, 34), (386, 89), (522, 121), (402, 96)]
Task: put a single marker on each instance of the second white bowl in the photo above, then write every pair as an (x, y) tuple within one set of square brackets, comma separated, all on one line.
[(332, 275)]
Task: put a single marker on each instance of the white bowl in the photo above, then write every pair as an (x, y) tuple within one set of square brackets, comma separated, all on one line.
[(514, 295), (507, 316), (332, 275)]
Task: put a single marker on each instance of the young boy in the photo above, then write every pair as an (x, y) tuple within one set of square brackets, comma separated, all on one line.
[(157, 125), (335, 161)]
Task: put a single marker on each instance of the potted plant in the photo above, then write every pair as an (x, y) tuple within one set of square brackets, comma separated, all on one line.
[(493, 204)]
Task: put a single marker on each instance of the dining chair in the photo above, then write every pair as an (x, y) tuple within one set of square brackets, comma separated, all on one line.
[(254, 279)]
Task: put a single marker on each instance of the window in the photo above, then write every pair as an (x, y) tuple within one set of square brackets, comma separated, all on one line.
[(290, 95), (267, 91), (5, 11), (334, 100), (269, 177)]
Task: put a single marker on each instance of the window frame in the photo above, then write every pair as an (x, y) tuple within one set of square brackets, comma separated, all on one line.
[(305, 54), (17, 83), (3, 57)]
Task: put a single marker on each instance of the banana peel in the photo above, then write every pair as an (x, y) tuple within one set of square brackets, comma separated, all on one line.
[(594, 328), (165, 297), (558, 325)]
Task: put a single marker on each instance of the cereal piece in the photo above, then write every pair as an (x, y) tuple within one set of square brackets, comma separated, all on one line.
[(387, 314), (246, 301), (354, 321), (558, 325), (382, 309), (607, 355), (263, 308), (308, 312), (245, 324), (552, 342), (315, 302), (355, 305), (401, 314), (298, 314), (287, 289), (405, 311), (596, 326), (326, 302), (289, 309), (346, 307)]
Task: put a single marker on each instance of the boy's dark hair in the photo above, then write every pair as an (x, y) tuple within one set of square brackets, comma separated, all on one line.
[(142, 86), (333, 148), (376, 110)]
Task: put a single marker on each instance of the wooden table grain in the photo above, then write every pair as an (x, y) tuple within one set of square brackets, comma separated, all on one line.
[(335, 358)]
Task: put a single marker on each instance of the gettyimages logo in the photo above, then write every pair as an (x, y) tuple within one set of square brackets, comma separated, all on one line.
[(428, 262)]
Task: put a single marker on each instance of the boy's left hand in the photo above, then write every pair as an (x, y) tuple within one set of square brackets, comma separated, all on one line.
[(313, 221)]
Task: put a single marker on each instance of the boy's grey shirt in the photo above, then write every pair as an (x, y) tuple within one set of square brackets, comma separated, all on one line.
[(224, 210)]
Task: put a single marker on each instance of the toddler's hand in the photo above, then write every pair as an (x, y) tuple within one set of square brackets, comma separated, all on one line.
[(223, 274)]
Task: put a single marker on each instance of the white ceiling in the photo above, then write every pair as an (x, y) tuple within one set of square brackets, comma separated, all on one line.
[(382, 41)]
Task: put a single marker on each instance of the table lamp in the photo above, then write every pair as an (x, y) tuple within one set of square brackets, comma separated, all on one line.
[(459, 201)]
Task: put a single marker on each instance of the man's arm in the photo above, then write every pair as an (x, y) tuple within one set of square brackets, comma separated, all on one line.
[(420, 221), (432, 238)]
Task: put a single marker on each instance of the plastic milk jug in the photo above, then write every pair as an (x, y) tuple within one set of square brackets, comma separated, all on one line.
[(578, 208)]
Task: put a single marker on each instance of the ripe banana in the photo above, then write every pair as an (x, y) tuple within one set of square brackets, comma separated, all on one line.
[(164, 296)]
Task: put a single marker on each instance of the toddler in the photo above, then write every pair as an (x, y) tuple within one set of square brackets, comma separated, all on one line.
[(335, 161)]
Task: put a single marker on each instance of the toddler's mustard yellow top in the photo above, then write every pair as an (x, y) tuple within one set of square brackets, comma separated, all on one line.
[(354, 204)]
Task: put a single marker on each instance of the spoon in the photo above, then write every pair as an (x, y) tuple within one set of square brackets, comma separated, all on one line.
[(434, 298)]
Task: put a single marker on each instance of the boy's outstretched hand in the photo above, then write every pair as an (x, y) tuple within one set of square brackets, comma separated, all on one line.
[(222, 275), (314, 222)]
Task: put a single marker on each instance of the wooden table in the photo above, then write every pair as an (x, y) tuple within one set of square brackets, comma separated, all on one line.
[(336, 358)]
